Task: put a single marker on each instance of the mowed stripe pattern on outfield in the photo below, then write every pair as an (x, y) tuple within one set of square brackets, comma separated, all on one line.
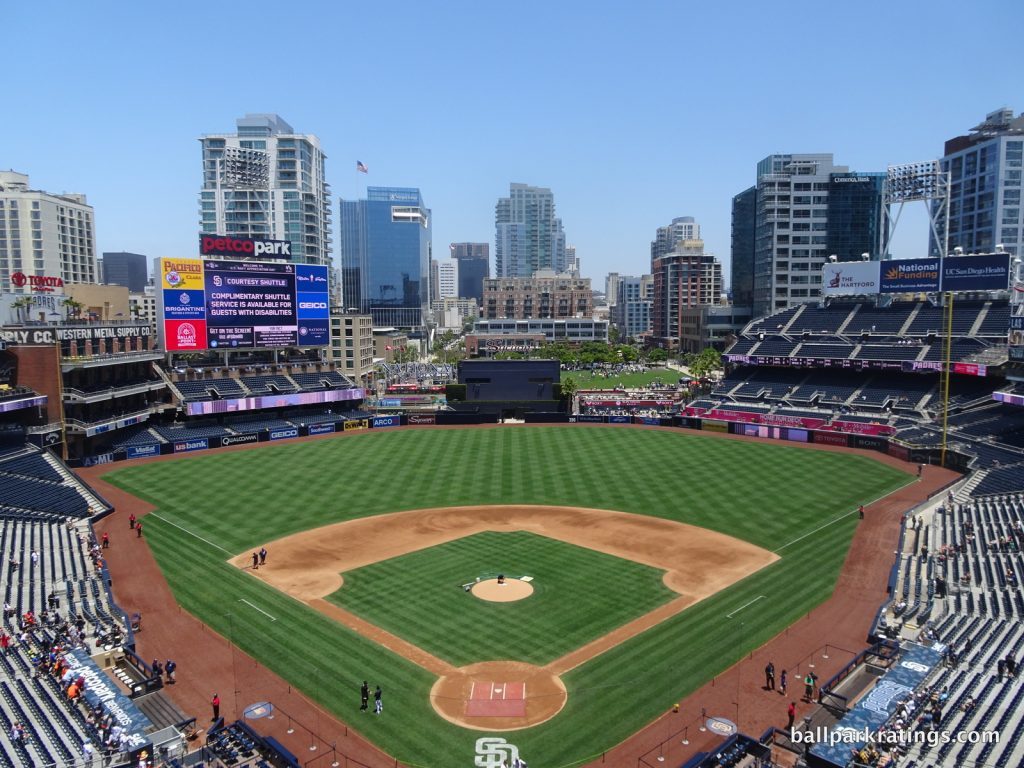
[(768, 494)]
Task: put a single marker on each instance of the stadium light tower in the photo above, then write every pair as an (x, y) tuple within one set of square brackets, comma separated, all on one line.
[(919, 182)]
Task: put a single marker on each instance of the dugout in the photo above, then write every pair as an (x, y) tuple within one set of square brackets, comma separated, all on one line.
[(511, 387)]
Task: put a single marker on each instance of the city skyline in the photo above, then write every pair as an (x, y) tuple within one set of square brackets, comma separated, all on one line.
[(620, 158)]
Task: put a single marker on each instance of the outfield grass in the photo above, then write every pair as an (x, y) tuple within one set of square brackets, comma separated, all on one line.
[(579, 595), (769, 494), (597, 380)]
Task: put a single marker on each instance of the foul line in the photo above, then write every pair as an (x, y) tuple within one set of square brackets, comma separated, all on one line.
[(243, 600), (190, 533), (841, 517), (730, 615)]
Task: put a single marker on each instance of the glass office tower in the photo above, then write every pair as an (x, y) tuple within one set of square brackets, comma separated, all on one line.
[(385, 257)]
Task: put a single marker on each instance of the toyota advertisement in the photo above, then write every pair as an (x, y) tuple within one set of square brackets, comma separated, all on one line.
[(213, 304)]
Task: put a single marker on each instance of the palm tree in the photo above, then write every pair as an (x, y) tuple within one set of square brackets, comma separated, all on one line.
[(20, 305), (73, 308)]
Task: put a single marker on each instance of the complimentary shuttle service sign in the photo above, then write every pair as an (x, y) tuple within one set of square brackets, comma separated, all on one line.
[(216, 304)]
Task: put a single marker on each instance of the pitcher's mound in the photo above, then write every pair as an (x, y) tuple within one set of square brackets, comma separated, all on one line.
[(510, 591)]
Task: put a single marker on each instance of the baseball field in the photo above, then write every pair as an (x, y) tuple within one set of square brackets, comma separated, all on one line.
[(652, 559)]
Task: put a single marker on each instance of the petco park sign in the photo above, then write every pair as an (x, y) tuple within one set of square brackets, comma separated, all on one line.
[(43, 283), (241, 247)]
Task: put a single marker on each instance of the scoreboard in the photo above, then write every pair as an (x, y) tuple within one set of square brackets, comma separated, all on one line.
[(214, 304)]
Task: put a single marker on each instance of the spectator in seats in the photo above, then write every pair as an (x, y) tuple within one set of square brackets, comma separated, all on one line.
[(88, 753), (5, 642), (968, 705), (17, 734)]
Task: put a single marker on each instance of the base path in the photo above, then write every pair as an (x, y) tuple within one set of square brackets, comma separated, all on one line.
[(697, 563)]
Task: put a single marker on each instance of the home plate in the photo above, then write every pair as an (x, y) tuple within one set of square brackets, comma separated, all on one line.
[(489, 699)]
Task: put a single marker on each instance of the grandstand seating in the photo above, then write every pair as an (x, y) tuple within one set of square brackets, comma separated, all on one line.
[(820, 320), (315, 417), (829, 351), (171, 433), (890, 351), (34, 485), (776, 345), (267, 385), (322, 380), (136, 437), (260, 425)]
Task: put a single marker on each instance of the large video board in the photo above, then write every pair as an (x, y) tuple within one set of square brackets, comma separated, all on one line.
[(215, 304)]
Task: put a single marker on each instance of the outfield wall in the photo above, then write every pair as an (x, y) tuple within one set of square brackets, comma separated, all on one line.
[(831, 434)]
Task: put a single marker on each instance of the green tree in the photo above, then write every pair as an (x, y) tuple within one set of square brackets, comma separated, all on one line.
[(73, 308), (657, 355), (708, 361), (569, 388)]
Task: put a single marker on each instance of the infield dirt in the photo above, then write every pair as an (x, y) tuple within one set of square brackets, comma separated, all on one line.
[(697, 563)]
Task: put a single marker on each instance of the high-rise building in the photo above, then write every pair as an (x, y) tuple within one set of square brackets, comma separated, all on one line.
[(611, 288), (572, 261), (385, 257), (528, 236), (473, 268), (544, 295), (665, 238), (744, 225), (447, 280), (985, 186), (684, 277), (44, 238), (127, 269), (632, 311), (795, 225), (267, 181)]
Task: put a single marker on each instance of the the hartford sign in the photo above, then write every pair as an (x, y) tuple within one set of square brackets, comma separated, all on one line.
[(44, 283), (223, 245)]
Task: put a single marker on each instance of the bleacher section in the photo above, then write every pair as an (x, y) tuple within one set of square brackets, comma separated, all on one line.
[(173, 433), (268, 385), (34, 485), (256, 385), (56, 586)]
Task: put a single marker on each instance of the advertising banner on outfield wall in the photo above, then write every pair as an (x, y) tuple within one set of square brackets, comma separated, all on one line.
[(986, 272), (830, 438), (850, 277), (351, 424), (320, 429), (419, 419), (710, 425), (589, 418), (227, 440), (379, 422), (862, 428), (195, 444), (620, 419), (910, 275), (142, 451), (284, 434)]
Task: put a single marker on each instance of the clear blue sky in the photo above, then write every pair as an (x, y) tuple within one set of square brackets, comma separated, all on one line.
[(632, 113)]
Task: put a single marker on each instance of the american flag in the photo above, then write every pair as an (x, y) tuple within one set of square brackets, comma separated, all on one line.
[(361, 167)]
